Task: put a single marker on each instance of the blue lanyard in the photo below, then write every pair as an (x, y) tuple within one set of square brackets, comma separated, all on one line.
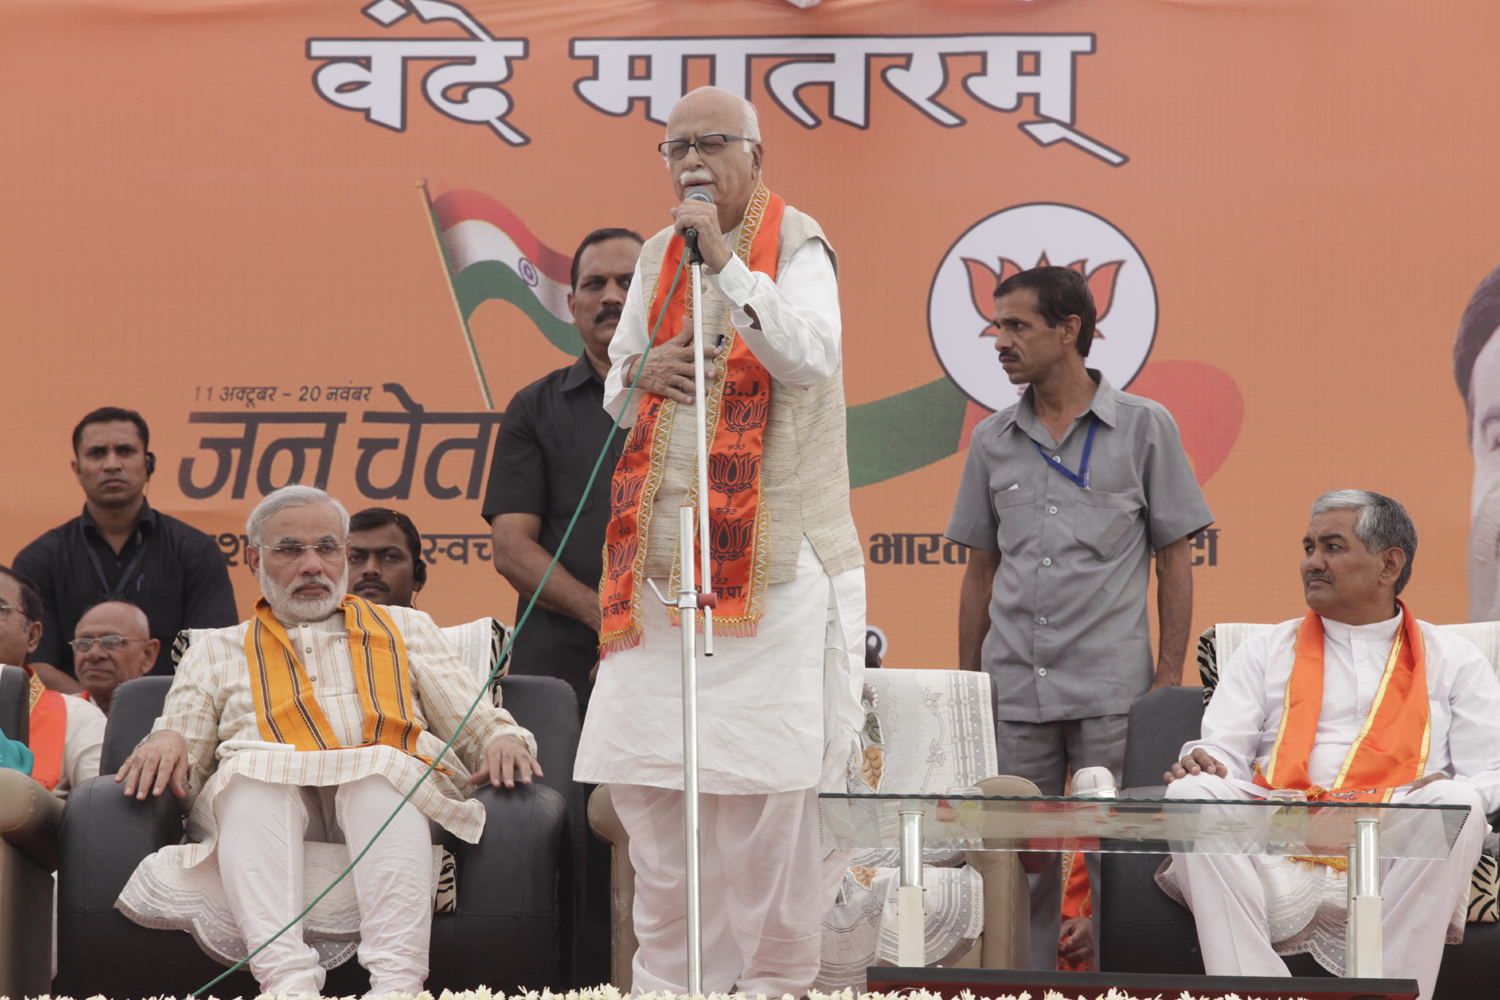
[(1081, 477)]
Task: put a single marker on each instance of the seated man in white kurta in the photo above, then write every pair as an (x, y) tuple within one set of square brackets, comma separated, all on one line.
[(322, 711), (1357, 701)]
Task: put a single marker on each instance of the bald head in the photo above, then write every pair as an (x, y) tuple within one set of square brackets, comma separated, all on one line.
[(729, 172), (100, 669), (719, 100)]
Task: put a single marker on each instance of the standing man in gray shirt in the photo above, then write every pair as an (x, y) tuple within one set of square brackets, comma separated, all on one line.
[(1065, 497)]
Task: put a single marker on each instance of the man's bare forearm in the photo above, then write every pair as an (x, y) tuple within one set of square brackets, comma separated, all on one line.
[(523, 562), (1174, 611), (974, 606)]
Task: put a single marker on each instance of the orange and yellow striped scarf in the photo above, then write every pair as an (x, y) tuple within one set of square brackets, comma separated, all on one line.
[(288, 711)]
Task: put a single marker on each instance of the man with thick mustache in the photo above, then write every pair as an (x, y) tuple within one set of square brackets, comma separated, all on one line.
[(385, 557), (1356, 701), (553, 432), (313, 718), (1066, 498), (778, 701)]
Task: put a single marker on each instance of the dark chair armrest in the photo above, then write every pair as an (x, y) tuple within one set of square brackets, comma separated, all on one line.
[(509, 890), (104, 836), (15, 704), (1161, 721), (514, 866)]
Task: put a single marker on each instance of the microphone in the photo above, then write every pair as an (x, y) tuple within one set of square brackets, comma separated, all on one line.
[(690, 237)]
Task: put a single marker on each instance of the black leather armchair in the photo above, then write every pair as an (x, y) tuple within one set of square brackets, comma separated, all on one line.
[(516, 892), (1144, 930)]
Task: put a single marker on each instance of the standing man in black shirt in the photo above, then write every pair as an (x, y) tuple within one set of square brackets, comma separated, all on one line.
[(554, 429), (120, 547), (553, 432)]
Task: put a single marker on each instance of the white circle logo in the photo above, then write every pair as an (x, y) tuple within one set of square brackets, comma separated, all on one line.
[(959, 309)]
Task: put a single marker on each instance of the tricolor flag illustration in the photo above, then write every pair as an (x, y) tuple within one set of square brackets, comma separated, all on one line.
[(491, 254)]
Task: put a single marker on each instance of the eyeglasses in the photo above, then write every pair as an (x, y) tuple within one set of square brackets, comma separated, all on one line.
[(110, 643), (290, 552), (6, 610), (707, 145)]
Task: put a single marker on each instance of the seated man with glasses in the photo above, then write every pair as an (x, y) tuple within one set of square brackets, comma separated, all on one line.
[(311, 721), (112, 644), (67, 733)]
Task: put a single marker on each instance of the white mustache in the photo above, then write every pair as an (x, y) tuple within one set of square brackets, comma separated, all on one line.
[(696, 174)]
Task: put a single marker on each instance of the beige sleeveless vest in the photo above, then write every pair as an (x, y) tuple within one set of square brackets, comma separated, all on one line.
[(805, 468)]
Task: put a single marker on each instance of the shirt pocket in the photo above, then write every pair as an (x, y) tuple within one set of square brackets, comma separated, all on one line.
[(1013, 509), (1102, 520)]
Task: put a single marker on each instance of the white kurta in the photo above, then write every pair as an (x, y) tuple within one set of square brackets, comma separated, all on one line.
[(1238, 921), (1240, 723), (771, 707), (82, 742), (212, 706)]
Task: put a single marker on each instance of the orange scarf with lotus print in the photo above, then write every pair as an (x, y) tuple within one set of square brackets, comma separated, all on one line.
[(738, 402)]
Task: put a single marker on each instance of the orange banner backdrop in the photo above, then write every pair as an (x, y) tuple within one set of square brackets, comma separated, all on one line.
[(263, 224)]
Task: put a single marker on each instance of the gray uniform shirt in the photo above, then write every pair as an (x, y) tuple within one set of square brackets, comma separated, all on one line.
[(1070, 634)]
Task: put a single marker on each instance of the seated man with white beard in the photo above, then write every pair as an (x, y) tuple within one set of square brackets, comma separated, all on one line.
[(321, 712), (1358, 701)]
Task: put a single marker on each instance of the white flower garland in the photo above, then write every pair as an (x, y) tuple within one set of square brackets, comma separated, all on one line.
[(610, 993)]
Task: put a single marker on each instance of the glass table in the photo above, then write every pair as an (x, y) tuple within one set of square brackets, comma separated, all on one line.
[(1362, 833)]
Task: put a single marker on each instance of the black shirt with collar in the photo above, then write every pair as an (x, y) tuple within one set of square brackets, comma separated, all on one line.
[(553, 432), (173, 571)]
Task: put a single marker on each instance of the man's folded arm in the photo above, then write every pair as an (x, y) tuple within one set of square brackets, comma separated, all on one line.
[(793, 324), (1236, 717)]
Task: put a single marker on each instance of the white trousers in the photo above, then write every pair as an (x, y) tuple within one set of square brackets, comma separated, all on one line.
[(1224, 892), (766, 886), (261, 829)]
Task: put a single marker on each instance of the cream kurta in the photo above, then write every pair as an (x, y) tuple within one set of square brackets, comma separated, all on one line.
[(211, 705), (778, 712)]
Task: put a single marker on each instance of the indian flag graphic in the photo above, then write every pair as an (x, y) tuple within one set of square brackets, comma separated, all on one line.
[(489, 253)]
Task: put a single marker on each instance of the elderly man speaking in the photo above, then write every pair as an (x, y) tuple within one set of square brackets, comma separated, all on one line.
[(787, 568), (1356, 701), (322, 711)]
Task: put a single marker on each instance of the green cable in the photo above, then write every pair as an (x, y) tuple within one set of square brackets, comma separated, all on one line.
[(485, 688)]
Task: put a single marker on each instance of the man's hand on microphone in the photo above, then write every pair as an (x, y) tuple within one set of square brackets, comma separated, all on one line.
[(669, 368), (704, 217)]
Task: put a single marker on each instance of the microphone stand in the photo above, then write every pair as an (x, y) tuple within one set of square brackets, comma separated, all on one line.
[(691, 598)]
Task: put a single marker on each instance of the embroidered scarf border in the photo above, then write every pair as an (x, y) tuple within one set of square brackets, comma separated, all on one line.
[(628, 537), (1390, 750)]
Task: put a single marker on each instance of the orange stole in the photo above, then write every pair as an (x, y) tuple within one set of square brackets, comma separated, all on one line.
[(1391, 749), (738, 405), (286, 709), (49, 731)]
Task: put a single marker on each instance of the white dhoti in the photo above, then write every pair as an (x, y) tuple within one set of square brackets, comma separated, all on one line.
[(766, 886), (778, 720), (1229, 904), (262, 827)]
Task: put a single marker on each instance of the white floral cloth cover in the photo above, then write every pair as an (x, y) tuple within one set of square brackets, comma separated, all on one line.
[(926, 731)]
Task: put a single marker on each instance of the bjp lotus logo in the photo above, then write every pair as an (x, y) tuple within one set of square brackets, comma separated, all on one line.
[(983, 282), (1205, 401), (961, 304)]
